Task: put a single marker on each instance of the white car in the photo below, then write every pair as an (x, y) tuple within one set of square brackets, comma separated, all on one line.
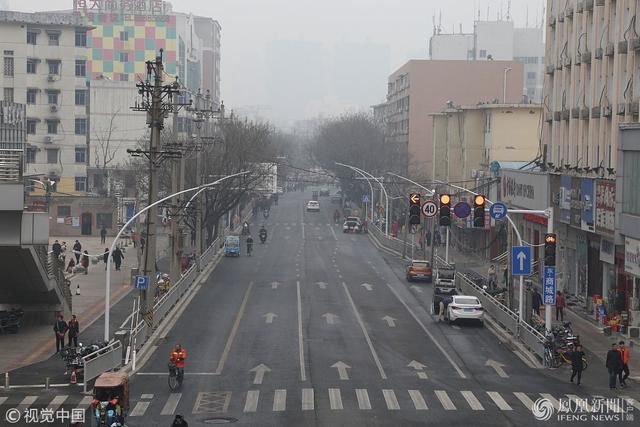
[(313, 206), (352, 223), (465, 307)]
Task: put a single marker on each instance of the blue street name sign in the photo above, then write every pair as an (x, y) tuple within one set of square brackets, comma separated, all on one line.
[(521, 260), (549, 288), (462, 209), (498, 210), (142, 282)]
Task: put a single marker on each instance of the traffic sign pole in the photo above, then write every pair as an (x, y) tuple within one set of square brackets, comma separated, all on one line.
[(548, 307)]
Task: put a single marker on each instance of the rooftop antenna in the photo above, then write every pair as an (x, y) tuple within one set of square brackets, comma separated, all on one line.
[(434, 25)]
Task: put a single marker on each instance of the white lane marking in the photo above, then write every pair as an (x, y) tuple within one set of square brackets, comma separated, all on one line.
[(84, 403), (551, 399), (363, 399), (139, 409), (234, 330), (335, 398), (186, 374), (3, 399), (391, 400), (260, 370), (455, 327), (279, 400), (444, 399), (418, 400), (302, 230), (472, 400), (171, 404), (26, 402), (303, 373), (629, 400), (146, 396), (366, 334), (429, 334), (252, 401), (526, 401), (499, 401), (56, 402), (332, 232), (308, 402)]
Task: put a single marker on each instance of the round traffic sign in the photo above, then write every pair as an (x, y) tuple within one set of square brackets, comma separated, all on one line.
[(462, 209), (429, 209), (498, 210)]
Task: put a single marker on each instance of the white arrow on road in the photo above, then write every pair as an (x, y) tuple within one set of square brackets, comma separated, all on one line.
[(367, 286), (322, 285), (498, 368), (416, 288), (274, 285), (521, 257), (391, 322), (342, 369), (419, 367), (269, 317), (260, 371), (330, 318)]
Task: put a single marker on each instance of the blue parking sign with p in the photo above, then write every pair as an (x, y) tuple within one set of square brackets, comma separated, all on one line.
[(141, 282), (549, 286)]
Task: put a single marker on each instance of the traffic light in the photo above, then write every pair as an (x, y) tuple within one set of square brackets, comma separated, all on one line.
[(478, 210), (445, 210), (414, 208), (550, 250)]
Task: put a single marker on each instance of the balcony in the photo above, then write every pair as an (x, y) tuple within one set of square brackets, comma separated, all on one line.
[(598, 53), (595, 112), (584, 113)]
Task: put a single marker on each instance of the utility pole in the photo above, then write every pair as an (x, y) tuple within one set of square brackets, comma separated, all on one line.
[(176, 186)]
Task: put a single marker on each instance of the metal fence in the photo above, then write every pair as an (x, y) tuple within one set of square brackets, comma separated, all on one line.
[(392, 242), (102, 360)]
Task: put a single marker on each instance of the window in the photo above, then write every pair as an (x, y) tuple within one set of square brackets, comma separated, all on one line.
[(30, 155), (81, 126), (81, 97), (8, 66), (81, 156), (124, 77), (124, 57), (124, 36), (531, 75), (8, 94), (32, 66), (104, 219), (64, 211), (483, 53), (81, 68), (54, 66), (31, 96), (31, 37), (81, 38), (31, 126), (52, 127), (54, 39), (631, 183), (52, 97), (52, 155), (81, 183)]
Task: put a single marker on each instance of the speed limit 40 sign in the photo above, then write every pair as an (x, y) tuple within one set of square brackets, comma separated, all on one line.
[(429, 209)]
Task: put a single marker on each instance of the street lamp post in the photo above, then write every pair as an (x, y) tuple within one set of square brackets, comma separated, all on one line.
[(504, 85)]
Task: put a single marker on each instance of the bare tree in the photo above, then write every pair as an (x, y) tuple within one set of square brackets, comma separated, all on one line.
[(104, 148)]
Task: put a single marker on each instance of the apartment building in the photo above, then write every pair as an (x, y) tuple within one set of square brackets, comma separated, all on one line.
[(45, 67)]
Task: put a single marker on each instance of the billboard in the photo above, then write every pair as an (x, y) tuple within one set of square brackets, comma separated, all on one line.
[(587, 213)]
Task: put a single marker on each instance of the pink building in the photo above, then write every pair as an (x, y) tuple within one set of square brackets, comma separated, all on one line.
[(423, 87)]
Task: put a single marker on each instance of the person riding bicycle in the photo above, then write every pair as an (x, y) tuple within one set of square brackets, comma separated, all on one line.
[(249, 244), (263, 233), (177, 357)]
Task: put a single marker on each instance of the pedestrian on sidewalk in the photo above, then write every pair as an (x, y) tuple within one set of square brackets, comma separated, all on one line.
[(71, 266), (74, 331), (56, 248), (105, 257), (134, 238), (60, 328), (536, 301), (64, 251), (103, 234), (77, 251), (560, 305), (614, 365), (625, 354), (117, 256), (85, 262), (492, 277), (577, 365)]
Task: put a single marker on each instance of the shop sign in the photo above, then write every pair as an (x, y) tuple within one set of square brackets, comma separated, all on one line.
[(607, 251), (587, 212), (527, 190), (564, 202), (605, 206), (576, 203), (632, 256)]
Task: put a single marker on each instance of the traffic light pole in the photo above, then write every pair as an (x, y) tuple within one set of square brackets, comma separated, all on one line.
[(547, 307)]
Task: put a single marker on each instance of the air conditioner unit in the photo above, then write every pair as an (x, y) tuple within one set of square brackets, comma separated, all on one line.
[(598, 53), (552, 21), (584, 113), (474, 173), (621, 108), (51, 78), (48, 139), (622, 46), (550, 69), (548, 116), (565, 114), (586, 57), (53, 108), (595, 112), (569, 12), (599, 2), (606, 111), (557, 115), (609, 50), (575, 113)]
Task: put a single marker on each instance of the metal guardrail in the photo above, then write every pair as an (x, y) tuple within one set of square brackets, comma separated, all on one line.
[(102, 360)]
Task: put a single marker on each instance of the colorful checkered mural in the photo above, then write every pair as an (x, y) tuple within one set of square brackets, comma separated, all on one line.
[(121, 43)]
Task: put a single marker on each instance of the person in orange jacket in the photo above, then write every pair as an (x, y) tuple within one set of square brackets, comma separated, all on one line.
[(177, 357), (624, 352)]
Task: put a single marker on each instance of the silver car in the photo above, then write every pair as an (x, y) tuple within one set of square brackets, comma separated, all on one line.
[(465, 307)]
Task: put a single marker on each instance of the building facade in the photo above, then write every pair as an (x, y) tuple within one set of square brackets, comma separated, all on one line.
[(45, 67), (13, 135)]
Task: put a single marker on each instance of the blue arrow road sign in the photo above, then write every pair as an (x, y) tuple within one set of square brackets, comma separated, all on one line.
[(142, 282), (365, 199), (462, 209), (521, 260), (498, 210), (549, 295)]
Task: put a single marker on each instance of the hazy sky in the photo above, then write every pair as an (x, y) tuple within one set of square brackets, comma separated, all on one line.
[(248, 27)]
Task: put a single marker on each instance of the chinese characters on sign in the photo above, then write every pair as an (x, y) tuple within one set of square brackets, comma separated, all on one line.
[(153, 7), (605, 206), (45, 415), (549, 295)]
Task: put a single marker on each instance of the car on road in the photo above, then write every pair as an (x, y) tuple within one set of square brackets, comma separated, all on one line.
[(324, 191), (336, 199), (313, 206), (352, 224), (465, 307), (419, 270)]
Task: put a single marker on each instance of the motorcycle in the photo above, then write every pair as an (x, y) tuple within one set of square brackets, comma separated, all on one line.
[(263, 237), (265, 213)]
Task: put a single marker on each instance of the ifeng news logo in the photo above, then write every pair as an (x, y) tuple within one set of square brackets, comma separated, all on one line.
[(599, 409)]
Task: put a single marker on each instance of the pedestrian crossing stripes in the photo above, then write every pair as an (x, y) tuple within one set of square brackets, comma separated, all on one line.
[(334, 399)]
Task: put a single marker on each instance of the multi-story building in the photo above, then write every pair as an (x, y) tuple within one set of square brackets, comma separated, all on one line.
[(422, 87), (45, 67), (12, 139), (500, 41)]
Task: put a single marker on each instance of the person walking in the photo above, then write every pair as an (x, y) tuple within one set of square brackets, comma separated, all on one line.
[(105, 257), (74, 331), (103, 234), (614, 365), (60, 329), (625, 354), (536, 301), (56, 248), (64, 251), (560, 305), (77, 251), (492, 277), (85, 262), (117, 256), (577, 364)]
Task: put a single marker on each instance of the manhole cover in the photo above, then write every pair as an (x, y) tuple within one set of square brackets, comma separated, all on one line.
[(220, 420)]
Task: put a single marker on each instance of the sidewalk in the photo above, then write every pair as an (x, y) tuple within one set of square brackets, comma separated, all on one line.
[(37, 343)]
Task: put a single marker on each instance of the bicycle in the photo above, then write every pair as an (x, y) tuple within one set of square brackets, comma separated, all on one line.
[(176, 375), (249, 249)]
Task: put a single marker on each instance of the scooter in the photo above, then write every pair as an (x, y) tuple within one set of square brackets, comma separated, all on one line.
[(263, 237)]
